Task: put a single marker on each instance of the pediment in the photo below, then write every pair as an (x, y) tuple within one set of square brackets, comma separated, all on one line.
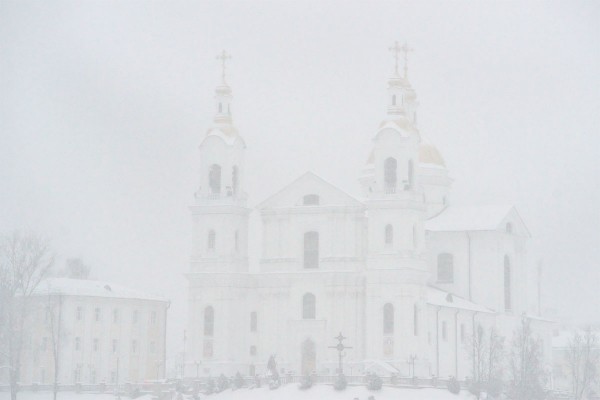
[(305, 190)]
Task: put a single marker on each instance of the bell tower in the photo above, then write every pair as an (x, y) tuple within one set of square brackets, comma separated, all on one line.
[(219, 213), (390, 180)]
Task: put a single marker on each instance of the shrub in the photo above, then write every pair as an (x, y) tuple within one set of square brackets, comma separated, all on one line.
[(494, 387), (210, 386), (340, 382), (374, 382), (238, 381), (453, 385), (306, 382), (222, 383)]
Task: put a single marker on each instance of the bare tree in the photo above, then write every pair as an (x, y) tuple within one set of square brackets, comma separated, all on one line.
[(54, 311), (486, 350), (24, 262), (526, 365), (583, 358)]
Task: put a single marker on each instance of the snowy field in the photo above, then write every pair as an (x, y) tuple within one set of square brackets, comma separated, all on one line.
[(288, 392)]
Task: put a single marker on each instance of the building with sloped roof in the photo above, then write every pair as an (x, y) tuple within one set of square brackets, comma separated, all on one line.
[(99, 331)]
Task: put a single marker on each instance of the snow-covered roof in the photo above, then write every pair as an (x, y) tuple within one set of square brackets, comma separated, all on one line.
[(91, 288), (438, 297), (473, 218), (374, 364), (564, 338)]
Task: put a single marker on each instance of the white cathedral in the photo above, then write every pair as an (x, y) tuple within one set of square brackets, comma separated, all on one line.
[(401, 272)]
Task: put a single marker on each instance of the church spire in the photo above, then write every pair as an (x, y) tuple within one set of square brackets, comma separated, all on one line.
[(223, 95), (401, 96)]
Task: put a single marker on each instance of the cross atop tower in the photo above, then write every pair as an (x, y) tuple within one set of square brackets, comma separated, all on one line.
[(396, 49), (405, 49), (223, 57)]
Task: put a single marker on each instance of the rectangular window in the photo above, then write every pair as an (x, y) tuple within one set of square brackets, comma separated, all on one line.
[(207, 350), (152, 348), (115, 346), (153, 317), (97, 314), (77, 343), (311, 250), (134, 316), (253, 321), (134, 346), (416, 320), (113, 377), (388, 347), (96, 344), (252, 350), (115, 316), (79, 314)]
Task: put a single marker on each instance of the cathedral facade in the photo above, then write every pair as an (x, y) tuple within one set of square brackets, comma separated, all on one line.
[(403, 274)]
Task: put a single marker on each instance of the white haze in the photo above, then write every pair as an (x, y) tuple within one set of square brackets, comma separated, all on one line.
[(103, 105)]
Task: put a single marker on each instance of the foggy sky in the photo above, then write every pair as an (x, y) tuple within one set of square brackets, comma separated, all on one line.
[(103, 106)]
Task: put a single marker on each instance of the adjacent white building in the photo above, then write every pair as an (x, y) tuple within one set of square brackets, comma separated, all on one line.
[(401, 272), (103, 333)]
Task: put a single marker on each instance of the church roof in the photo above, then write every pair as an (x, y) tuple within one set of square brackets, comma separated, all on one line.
[(438, 297), (476, 218), (90, 288)]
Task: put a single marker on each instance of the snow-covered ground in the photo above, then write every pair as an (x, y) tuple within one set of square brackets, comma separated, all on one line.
[(288, 392)]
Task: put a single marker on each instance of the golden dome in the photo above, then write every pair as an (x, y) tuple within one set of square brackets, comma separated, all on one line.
[(429, 154)]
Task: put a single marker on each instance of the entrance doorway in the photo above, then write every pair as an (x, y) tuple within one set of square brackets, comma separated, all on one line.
[(309, 357)]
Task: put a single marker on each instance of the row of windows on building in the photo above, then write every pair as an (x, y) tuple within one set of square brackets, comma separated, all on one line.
[(46, 344), (311, 244), (445, 274), (115, 316)]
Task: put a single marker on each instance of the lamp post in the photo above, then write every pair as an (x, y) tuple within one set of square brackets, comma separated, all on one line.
[(340, 347)]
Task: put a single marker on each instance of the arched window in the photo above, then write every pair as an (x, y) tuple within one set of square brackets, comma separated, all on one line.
[(209, 321), (445, 268), (388, 319), (389, 235), (253, 321), (507, 285), (390, 175), (415, 235), (212, 241), (310, 200), (411, 174), (214, 179), (311, 250), (235, 180), (509, 228), (416, 320), (309, 306)]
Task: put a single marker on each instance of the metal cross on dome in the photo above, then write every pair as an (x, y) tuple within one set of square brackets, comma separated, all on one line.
[(223, 57)]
